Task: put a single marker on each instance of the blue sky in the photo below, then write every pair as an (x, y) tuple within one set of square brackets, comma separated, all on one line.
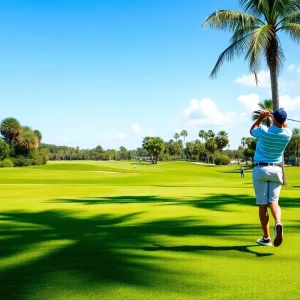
[(111, 72)]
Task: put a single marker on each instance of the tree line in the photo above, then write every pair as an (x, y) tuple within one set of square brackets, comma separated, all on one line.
[(22, 146)]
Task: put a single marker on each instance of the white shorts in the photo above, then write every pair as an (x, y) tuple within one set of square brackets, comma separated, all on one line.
[(267, 182)]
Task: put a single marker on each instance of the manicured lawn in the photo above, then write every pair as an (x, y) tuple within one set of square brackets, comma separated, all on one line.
[(100, 230)]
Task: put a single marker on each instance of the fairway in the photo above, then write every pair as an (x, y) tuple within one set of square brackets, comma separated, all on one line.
[(102, 230)]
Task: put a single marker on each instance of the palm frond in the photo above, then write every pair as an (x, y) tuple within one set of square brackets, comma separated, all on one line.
[(260, 40), (284, 8), (292, 18), (235, 49), (230, 19), (242, 32), (293, 30), (257, 7)]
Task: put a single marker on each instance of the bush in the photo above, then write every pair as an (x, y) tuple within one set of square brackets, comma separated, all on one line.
[(224, 160), (21, 161), (36, 158), (4, 150), (6, 163)]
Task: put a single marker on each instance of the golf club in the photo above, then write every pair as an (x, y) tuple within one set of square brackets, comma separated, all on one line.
[(258, 112)]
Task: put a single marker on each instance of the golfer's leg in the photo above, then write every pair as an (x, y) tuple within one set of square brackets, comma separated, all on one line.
[(274, 193), (264, 219), (276, 212), (261, 192)]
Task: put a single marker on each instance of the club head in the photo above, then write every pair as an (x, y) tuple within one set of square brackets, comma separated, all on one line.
[(259, 111)]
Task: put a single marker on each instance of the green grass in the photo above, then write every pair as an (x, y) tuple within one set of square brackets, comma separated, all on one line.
[(100, 230)]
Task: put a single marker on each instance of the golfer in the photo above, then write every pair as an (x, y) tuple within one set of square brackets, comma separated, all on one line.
[(242, 172), (268, 171)]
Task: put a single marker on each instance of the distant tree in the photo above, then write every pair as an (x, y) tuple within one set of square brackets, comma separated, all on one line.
[(211, 146), (26, 141), (178, 147), (243, 142), (222, 140), (203, 135), (210, 134), (38, 135), (176, 136), (141, 152), (184, 134), (155, 146), (295, 142), (189, 150), (10, 128), (123, 153), (171, 148), (249, 151), (4, 150)]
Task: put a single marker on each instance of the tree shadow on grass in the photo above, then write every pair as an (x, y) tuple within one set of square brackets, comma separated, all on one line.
[(212, 202), (216, 202), (289, 202), (211, 249), (117, 200), (101, 250), (221, 202)]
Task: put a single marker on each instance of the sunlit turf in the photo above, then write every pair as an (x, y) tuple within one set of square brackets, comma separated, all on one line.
[(102, 230)]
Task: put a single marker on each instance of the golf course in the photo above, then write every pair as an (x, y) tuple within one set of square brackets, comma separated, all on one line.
[(172, 230)]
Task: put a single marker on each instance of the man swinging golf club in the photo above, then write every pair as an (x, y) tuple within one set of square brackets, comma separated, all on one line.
[(268, 173)]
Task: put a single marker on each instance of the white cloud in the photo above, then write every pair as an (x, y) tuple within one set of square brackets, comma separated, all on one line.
[(249, 80), (205, 112), (250, 101), (136, 128), (291, 68), (289, 103)]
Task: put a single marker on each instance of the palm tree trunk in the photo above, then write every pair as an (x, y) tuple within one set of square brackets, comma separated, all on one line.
[(274, 86)]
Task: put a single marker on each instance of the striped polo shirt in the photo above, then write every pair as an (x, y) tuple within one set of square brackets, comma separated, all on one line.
[(271, 143)]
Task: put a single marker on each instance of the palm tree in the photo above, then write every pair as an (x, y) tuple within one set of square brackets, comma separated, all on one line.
[(265, 105), (255, 33), (176, 136), (295, 141), (222, 140), (10, 128), (210, 134), (171, 148), (26, 128), (203, 135), (28, 140), (154, 145), (211, 146), (184, 134), (243, 142), (178, 147), (38, 135)]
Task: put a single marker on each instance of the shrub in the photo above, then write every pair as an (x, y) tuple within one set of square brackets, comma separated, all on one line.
[(4, 150), (224, 160), (21, 161), (6, 163)]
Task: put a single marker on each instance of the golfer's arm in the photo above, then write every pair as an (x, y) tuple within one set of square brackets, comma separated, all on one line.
[(256, 123)]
